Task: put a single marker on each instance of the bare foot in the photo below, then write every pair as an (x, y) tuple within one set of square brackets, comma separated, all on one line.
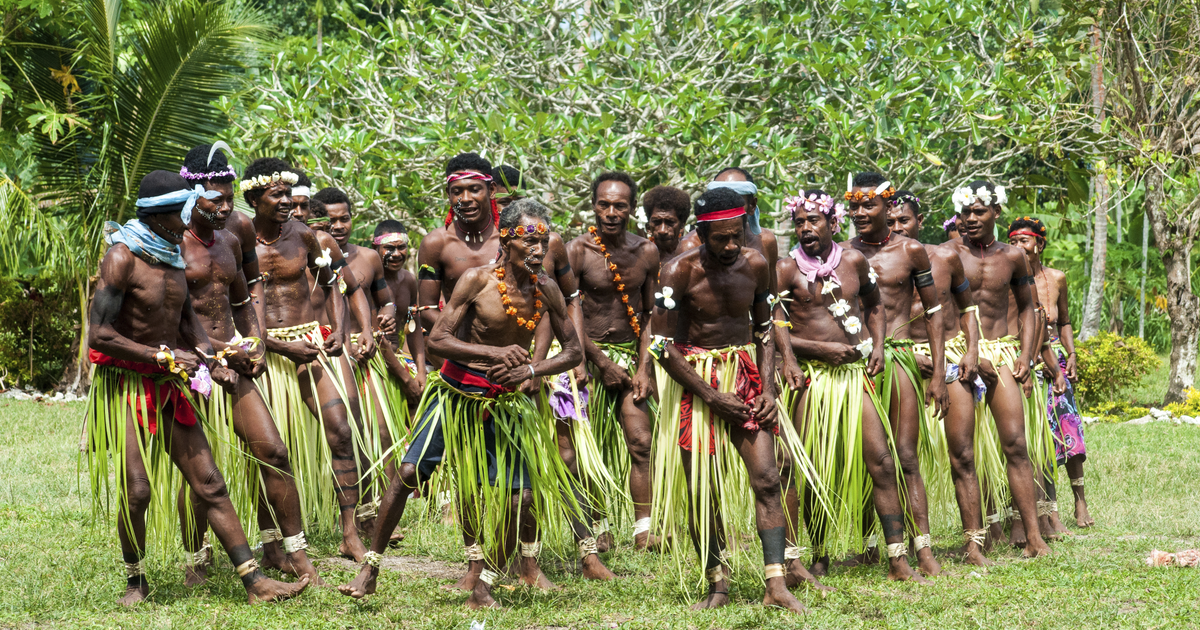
[(134, 594), (396, 539), (899, 571), (195, 575), (797, 574), (777, 595), (1057, 525), (1036, 548), (604, 542), (449, 518), (299, 565), (927, 564), (718, 596), (366, 527), (363, 584), (481, 597), (352, 547), (268, 590), (272, 557), (468, 580), (870, 556), (1016, 537), (531, 575), (995, 532), (1082, 518), (643, 541), (820, 567), (1048, 532), (594, 569), (973, 555)]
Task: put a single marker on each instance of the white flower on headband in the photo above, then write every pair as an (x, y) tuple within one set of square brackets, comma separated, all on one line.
[(852, 325), (984, 195), (263, 181), (839, 308), (964, 197), (1001, 195)]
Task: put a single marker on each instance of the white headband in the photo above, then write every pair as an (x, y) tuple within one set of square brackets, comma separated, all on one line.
[(300, 191), (741, 188)]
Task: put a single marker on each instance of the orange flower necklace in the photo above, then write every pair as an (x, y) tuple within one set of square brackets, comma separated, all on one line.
[(633, 322), (512, 310)]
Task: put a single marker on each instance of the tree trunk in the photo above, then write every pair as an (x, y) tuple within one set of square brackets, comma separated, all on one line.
[(1093, 307), (1183, 307)]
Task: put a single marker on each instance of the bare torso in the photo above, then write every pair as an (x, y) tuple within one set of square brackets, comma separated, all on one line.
[(211, 272), (809, 311), (288, 287), (367, 267), (152, 300), (714, 300), (605, 317), (991, 272), (946, 266), (894, 265)]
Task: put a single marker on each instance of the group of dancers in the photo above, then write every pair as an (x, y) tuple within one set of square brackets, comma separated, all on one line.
[(534, 388)]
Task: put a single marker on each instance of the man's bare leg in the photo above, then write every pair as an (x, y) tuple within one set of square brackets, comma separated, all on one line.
[(131, 520), (335, 416), (714, 566), (905, 416), (527, 533), (960, 437), (391, 509), (1005, 403), (192, 529), (389, 469), (1075, 474), (796, 572), (1053, 522), (882, 469), (635, 423), (481, 593), (189, 451), (475, 558), (591, 565)]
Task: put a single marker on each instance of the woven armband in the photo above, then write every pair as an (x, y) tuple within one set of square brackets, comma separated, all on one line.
[(962, 288), (428, 273), (1023, 280), (923, 278)]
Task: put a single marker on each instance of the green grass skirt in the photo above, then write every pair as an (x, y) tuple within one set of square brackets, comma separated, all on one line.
[(376, 384), (609, 435), (524, 430), (932, 454)]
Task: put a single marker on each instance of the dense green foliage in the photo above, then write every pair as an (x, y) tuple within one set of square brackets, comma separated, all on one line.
[(40, 324), (1109, 365)]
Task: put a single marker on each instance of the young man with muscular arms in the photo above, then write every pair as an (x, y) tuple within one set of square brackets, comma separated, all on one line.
[(995, 270), (484, 334), (144, 339), (830, 318), (901, 265), (953, 438), (718, 397)]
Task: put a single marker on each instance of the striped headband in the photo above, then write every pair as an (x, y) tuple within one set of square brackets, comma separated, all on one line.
[(721, 215), (391, 238), (457, 175)]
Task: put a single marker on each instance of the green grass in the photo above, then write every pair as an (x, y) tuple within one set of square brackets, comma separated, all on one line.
[(61, 567), (1150, 391)]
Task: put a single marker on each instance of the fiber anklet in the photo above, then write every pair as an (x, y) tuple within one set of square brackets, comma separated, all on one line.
[(292, 544), (587, 547), (474, 552), (531, 550), (773, 571), (897, 550), (923, 541), (372, 559), (977, 536), (488, 576)]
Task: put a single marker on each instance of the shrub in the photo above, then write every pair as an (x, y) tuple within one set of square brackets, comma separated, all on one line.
[(1115, 411), (1189, 406), (38, 325), (1109, 364)]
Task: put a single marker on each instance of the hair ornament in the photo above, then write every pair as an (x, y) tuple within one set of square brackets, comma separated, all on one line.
[(964, 197), (884, 190), (265, 181), (522, 230), (818, 203)]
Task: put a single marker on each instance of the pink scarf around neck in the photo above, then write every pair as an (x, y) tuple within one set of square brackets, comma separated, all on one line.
[(812, 268)]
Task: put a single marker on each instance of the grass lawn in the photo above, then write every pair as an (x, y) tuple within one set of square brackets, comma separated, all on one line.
[(61, 567)]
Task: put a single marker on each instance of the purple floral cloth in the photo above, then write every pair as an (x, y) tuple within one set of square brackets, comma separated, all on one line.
[(1065, 421), (561, 400)]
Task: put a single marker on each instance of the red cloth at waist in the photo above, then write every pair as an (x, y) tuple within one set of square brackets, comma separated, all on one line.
[(326, 331), (459, 373), (747, 386), (169, 393)]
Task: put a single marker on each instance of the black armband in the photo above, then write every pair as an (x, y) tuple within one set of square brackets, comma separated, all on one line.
[(661, 302), (962, 288), (350, 290), (379, 284), (337, 264), (923, 278), (249, 257), (428, 273), (562, 271), (868, 288), (761, 297), (1022, 281)]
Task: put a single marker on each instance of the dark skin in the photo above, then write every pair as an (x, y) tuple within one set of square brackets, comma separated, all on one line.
[(605, 319), (714, 288), (241, 226), (215, 281), (138, 307), (817, 335), (765, 243), (960, 417), (403, 285), (476, 331), (666, 231), (287, 250), (895, 261), (992, 267), (1052, 288)]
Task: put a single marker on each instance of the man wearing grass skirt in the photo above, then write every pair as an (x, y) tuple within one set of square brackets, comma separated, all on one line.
[(151, 358), (617, 272), (238, 415), (404, 349), (900, 265), (829, 316), (305, 396), (995, 271), (495, 441), (957, 449), (717, 411)]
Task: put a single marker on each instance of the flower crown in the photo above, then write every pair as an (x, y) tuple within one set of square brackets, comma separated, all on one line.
[(952, 222), (188, 175), (907, 198), (264, 181), (964, 197), (522, 230), (884, 190), (820, 203)]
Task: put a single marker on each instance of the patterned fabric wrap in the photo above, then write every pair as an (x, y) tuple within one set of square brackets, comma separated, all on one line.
[(525, 444), (116, 394), (1065, 422), (829, 421), (747, 385)]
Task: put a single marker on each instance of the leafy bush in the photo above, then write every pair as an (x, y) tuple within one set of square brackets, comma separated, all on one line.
[(38, 324), (1109, 364), (1190, 406), (1115, 411)]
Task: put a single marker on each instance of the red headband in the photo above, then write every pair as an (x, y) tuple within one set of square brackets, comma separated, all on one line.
[(1026, 232), (721, 215)]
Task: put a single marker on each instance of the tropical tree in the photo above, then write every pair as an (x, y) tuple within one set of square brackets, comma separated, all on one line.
[(102, 97)]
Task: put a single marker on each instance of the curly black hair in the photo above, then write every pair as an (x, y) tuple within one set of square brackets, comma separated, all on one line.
[(197, 162), (1029, 223), (469, 162), (263, 166), (331, 195), (668, 198)]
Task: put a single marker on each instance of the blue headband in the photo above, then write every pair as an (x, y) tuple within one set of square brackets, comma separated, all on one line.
[(186, 197)]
